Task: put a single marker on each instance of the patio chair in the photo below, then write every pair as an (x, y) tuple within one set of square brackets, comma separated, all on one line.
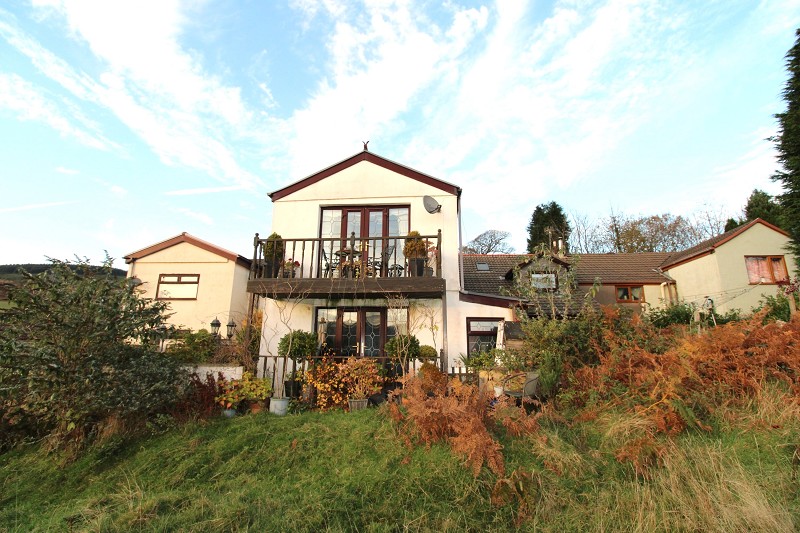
[(522, 385), (382, 265), (330, 264)]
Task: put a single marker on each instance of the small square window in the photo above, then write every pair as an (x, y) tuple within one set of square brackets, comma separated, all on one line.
[(177, 286), (630, 293), (543, 280), (482, 267)]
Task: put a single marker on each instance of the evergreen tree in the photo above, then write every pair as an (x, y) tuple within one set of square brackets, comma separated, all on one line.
[(788, 146), (762, 205), (732, 223), (548, 223)]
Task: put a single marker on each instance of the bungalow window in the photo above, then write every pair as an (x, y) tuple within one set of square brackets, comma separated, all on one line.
[(544, 280), (766, 269), (177, 286), (482, 334), (630, 293)]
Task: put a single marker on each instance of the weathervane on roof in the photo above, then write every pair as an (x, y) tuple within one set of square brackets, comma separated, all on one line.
[(365, 146)]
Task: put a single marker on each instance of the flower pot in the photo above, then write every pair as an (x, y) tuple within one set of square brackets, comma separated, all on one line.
[(256, 406), (357, 405), (229, 413), (279, 406), (416, 266)]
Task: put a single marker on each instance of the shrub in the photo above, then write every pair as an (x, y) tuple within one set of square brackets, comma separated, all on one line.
[(326, 379), (297, 345), (193, 347), (480, 360), (777, 307), (77, 351), (676, 313), (427, 352), (460, 415), (247, 389), (360, 377), (200, 398)]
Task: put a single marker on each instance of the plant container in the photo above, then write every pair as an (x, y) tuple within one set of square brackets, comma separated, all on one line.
[(229, 413), (279, 406), (416, 266), (358, 405)]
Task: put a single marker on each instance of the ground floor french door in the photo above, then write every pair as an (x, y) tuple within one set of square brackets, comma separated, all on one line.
[(358, 331)]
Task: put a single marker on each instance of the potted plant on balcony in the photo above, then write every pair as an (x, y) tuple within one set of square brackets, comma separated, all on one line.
[(273, 255), (416, 251), (290, 267)]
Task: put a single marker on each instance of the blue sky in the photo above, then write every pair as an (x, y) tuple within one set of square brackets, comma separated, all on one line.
[(123, 124)]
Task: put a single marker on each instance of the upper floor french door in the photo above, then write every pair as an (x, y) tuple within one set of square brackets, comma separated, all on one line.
[(372, 226)]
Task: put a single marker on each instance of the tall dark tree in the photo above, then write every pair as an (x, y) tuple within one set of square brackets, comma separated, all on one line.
[(788, 145), (762, 205), (548, 223)]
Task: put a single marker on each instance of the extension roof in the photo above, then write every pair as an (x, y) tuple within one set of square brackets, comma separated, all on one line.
[(708, 246), (185, 237), (639, 268), (375, 160)]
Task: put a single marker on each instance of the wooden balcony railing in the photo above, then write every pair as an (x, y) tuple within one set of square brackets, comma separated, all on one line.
[(342, 258)]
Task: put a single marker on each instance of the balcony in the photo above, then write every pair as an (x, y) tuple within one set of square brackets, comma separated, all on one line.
[(346, 267)]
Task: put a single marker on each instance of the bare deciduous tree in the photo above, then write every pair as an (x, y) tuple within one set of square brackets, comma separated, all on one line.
[(490, 242)]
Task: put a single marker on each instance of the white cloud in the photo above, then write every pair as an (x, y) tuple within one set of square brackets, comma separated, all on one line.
[(204, 190), (67, 171), (30, 103), (158, 90)]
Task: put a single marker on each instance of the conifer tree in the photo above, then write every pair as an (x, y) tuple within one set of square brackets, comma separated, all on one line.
[(788, 145)]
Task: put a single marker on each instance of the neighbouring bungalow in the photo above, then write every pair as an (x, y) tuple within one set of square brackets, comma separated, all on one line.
[(734, 270), (199, 280)]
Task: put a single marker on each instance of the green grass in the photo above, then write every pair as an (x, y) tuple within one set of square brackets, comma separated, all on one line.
[(350, 472)]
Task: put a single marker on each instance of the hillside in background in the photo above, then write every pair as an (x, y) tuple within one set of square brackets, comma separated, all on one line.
[(12, 272)]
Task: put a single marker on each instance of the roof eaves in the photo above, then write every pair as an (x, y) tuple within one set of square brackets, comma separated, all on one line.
[(372, 158)]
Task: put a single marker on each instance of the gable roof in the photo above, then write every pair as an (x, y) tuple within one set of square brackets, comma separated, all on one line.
[(709, 245), (185, 237), (375, 160), (640, 268)]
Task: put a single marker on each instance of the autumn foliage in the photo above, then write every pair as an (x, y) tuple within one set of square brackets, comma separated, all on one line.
[(682, 386), (464, 416)]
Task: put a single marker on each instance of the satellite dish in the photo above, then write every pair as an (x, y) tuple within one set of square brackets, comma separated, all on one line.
[(431, 205)]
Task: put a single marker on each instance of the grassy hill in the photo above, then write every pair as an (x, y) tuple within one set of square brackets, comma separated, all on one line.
[(351, 472), (12, 272)]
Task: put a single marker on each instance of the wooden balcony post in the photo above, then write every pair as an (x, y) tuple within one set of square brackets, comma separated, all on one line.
[(439, 253)]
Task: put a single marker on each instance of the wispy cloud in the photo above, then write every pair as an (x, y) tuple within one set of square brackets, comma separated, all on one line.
[(30, 207), (155, 88), (30, 103), (202, 217), (67, 171), (203, 190)]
